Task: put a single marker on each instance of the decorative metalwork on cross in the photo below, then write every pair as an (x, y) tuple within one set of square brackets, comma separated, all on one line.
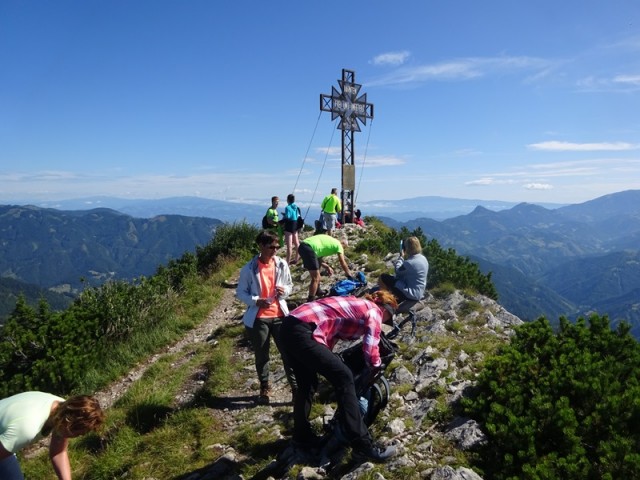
[(351, 109), (346, 104)]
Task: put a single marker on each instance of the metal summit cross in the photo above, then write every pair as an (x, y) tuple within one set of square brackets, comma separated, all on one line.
[(351, 109)]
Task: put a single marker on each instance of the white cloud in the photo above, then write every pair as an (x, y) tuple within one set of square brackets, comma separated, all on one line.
[(618, 83), (556, 146), (330, 151), (487, 181), (463, 69), (628, 79), (381, 161), (538, 186), (391, 58)]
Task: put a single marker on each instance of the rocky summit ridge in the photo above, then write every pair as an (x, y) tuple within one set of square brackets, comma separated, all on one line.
[(434, 368)]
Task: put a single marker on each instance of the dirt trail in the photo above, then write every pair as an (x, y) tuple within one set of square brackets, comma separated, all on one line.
[(223, 314)]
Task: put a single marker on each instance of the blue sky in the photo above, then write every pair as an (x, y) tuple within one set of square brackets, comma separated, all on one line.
[(509, 100)]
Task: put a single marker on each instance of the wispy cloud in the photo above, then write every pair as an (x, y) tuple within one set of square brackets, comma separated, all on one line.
[(382, 161), (462, 69), (330, 151), (492, 181), (595, 166), (58, 184), (628, 80), (391, 58), (488, 181), (537, 176), (556, 146), (617, 83), (538, 186), (369, 161)]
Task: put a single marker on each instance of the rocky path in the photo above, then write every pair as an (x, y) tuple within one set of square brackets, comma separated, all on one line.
[(223, 314)]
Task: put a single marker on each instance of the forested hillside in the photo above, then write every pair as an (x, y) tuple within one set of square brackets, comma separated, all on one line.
[(67, 251)]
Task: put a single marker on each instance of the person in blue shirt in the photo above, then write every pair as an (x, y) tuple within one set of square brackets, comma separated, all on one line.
[(411, 270), (291, 238)]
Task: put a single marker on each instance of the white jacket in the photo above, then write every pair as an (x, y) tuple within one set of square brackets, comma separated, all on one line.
[(249, 287)]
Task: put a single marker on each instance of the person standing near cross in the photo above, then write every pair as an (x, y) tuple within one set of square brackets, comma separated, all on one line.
[(331, 206)]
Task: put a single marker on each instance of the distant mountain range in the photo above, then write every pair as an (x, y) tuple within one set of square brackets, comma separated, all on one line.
[(547, 260), (568, 261), (438, 208), (64, 251)]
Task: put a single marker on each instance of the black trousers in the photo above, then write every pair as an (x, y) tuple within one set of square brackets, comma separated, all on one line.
[(310, 358)]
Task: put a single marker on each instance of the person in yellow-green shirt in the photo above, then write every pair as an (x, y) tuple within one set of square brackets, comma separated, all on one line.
[(313, 250), (331, 206), (273, 220)]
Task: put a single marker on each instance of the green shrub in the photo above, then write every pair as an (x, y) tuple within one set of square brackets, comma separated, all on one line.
[(446, 266), (55, 352), (562, 405), (231, 240)]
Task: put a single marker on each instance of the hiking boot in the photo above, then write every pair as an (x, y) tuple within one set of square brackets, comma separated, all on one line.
[(265, 391), (374, 453)]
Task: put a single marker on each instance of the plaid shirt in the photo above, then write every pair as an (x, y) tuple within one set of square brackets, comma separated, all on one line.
[(344, 318)]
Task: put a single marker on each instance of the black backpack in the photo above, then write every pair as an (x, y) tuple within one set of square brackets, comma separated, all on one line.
[(265, 223), (375, 391)]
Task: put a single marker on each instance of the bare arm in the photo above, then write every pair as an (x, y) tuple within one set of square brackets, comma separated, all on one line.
[(59, 457), (343, 264)]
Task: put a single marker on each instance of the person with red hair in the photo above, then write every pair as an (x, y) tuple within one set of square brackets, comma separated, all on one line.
[(26, 417), (308, 336)]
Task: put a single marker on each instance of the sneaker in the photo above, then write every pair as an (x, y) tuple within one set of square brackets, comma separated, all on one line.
[(374, 453)]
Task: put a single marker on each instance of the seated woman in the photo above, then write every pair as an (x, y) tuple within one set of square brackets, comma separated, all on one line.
[(410, 279), (28, 416)]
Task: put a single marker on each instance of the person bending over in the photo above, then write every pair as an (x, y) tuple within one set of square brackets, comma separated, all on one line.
[(313, 251), (28, 416), (309, 334)]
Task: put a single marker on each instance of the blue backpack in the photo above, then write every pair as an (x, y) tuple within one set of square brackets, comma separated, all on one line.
[(346, 287)]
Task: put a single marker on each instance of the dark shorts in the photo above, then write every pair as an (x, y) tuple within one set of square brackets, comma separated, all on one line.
[(290, 226), (308, 256)]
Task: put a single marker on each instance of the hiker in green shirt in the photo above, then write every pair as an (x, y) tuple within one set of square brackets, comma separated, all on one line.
[(273, 220), (312, 251), (330, 206)]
